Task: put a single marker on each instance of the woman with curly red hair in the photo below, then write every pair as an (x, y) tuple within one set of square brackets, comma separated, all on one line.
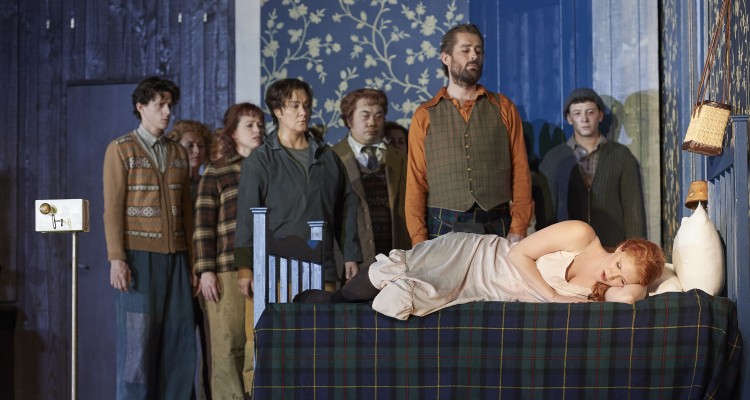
[(563, 263)]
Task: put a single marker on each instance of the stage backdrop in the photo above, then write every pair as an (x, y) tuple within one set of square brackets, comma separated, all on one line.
[(537, 51), (339, 46)]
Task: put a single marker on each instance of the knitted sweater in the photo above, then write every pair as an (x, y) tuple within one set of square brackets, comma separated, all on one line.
[(613, 205), (145, 209)]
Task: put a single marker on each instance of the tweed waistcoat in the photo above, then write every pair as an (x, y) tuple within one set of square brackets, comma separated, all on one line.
[(467, 162), (154, 200)]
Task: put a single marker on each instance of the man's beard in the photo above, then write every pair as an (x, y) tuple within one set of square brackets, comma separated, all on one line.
[(465, 77)]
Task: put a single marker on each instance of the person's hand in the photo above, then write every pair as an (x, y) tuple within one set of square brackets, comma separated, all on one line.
[(195, 284), (247, 287), (350, 268), (119, 275), (626, 294), (558, 298), (210, 286), (514, 237)]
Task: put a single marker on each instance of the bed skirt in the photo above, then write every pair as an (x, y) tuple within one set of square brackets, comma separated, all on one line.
[(670, 346)]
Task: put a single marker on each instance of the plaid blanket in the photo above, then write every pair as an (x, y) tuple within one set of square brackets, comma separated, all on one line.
[(670, 346)]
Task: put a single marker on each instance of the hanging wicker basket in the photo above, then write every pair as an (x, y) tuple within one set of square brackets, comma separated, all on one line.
[(709, 119), (705, 134)]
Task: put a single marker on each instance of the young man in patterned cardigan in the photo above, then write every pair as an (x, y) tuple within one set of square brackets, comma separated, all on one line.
[(148, 223)]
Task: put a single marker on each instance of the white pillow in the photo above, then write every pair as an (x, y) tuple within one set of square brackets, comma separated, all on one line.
[(667, 282), (697, 254)]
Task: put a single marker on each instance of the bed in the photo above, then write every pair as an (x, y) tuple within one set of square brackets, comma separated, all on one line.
[(674, 345)]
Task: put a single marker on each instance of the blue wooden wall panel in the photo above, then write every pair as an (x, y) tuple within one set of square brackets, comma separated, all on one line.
[(536, 52), (43, 53)]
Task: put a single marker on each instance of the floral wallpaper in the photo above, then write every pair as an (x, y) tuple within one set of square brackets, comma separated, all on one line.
[(341, 45)]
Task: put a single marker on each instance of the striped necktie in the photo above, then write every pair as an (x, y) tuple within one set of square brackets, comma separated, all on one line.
[(371, 156)]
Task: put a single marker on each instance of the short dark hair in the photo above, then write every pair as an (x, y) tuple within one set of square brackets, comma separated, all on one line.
[(281, 91), (395, 126), (449, 39), (231, 121), (582, 95), (149, 88), (373, 96)]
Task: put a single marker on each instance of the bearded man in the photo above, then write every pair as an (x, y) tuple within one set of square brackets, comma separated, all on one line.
[(467, 168)]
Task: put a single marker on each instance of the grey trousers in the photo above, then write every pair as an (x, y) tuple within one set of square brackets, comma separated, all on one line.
[(155, 328)]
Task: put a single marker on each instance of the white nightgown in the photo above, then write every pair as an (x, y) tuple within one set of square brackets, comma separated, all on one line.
[(459, 268)]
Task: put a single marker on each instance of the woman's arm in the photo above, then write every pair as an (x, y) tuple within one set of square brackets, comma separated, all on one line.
[(569, 236), (625, 294)]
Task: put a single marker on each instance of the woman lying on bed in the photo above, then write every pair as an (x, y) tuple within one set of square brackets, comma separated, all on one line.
[(562, 263)]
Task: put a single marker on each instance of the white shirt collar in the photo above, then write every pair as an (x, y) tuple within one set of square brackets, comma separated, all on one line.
[(357, 146), (362, 158)]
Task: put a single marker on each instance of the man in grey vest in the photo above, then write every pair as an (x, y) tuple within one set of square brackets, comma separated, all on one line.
[(467, 166), (377, 173), (593, 179)]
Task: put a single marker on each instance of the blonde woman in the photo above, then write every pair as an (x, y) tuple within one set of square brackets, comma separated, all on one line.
[(195, 137)]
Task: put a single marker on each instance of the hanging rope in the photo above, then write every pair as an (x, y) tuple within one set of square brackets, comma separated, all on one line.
[(691, 61)]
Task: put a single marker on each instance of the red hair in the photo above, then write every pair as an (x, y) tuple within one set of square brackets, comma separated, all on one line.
[(224, 145), (647, 255)]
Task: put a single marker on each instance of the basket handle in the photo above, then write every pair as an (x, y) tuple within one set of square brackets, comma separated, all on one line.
[(723, 19)]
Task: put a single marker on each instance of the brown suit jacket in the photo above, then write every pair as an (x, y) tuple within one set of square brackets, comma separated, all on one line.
[(395, 175)]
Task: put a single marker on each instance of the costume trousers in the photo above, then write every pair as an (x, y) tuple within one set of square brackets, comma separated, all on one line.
[(475, 220), (231, 347), (155, 329)]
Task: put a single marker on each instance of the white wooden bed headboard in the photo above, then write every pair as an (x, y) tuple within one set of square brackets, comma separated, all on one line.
[(283, 269)]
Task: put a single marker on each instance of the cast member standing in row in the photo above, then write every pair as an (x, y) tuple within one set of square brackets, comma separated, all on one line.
[(195, 137), (397, 136), (593, 179), (377, 173), (467, 168), (301, 179), (229, 313), (148, 221)]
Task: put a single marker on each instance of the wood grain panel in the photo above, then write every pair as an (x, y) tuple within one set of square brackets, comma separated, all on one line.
[(219, 62), (191, 47), (112, 41), (625, 73), (9, 86), (44, 310)]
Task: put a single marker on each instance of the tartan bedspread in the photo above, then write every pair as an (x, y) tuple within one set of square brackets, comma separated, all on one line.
[(670, 346)]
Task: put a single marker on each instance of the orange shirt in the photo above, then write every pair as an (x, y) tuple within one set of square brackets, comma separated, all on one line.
[(417, 188)]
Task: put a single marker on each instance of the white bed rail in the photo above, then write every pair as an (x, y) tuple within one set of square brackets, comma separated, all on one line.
[(281, 269)]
